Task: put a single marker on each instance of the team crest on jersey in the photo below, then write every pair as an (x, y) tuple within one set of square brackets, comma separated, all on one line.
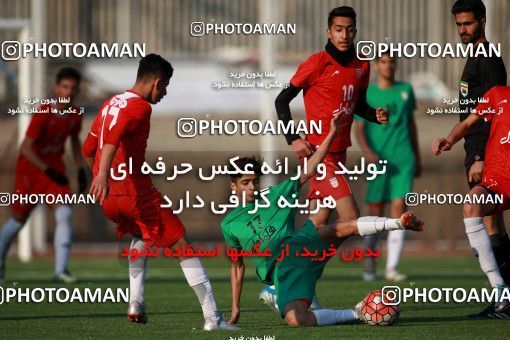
[(334, 182), (404, 95), (358, 72), (464, 87)]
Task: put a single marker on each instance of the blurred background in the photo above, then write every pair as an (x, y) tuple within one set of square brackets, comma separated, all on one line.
[(199, 62)]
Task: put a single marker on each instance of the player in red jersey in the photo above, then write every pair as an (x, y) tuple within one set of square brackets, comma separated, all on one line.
[(119, 134), (495, 182), (40, 169), (333, 80)]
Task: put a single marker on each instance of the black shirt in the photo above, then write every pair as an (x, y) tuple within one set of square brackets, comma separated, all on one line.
[(479, 76)]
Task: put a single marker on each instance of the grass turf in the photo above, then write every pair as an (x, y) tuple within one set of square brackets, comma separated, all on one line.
[(174, 311)]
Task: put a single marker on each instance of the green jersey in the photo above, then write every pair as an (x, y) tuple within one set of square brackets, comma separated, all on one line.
[(391, 141), (268, 227)]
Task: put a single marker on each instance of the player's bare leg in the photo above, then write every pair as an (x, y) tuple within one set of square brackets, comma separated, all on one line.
[(481, 245), (297, 314), (346, 208), (198, 280), (370, 241), (491, 223), (320, 218), (8, 233), (395, 244)]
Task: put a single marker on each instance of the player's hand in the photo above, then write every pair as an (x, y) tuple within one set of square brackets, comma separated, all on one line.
[(302, 148), (336, 123), (234, 318), (475, 172), (82, 180), (439, 145), (56, 176), (382, 115), (100, 188)]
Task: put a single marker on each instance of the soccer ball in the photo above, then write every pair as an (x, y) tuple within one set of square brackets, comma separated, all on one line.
[(376, 312)]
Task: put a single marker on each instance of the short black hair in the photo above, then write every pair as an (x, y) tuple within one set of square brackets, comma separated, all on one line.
[(380, 54), (242, 162), (68, 73), (154, 65), (342, 11), (475, 6)]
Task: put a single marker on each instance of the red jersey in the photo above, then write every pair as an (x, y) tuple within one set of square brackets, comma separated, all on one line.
[(329, 87), (124, 121), (49, 131), (496, 173)]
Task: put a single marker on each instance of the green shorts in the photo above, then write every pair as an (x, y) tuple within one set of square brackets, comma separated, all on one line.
[(295, 277), (394, 184)]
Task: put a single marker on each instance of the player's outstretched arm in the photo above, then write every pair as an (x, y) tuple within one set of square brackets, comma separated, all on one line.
[(100, 187), (457, 133), (320, 153), (236, 280)]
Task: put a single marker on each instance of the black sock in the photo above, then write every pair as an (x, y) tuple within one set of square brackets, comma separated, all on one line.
[(500, 244), (506, 245)]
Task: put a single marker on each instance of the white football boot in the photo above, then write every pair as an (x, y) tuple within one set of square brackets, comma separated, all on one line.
[(395, 276), (217, 322), (359, 313), (136, 313), (268, 296)]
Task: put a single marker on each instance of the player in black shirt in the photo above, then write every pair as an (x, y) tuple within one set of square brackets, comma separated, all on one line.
[(479, 76)]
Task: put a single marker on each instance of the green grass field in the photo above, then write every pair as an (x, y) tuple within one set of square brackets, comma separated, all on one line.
[(174, 311)]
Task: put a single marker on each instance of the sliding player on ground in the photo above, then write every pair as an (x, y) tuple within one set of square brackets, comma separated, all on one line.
[(295, 277)]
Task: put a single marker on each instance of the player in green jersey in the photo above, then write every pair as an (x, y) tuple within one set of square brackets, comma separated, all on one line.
[(272, 228), (397, 144)]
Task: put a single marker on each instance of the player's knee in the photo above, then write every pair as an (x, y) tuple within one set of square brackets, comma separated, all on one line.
[(349, 213), (349, 216), (295, 318), (471, 210)]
